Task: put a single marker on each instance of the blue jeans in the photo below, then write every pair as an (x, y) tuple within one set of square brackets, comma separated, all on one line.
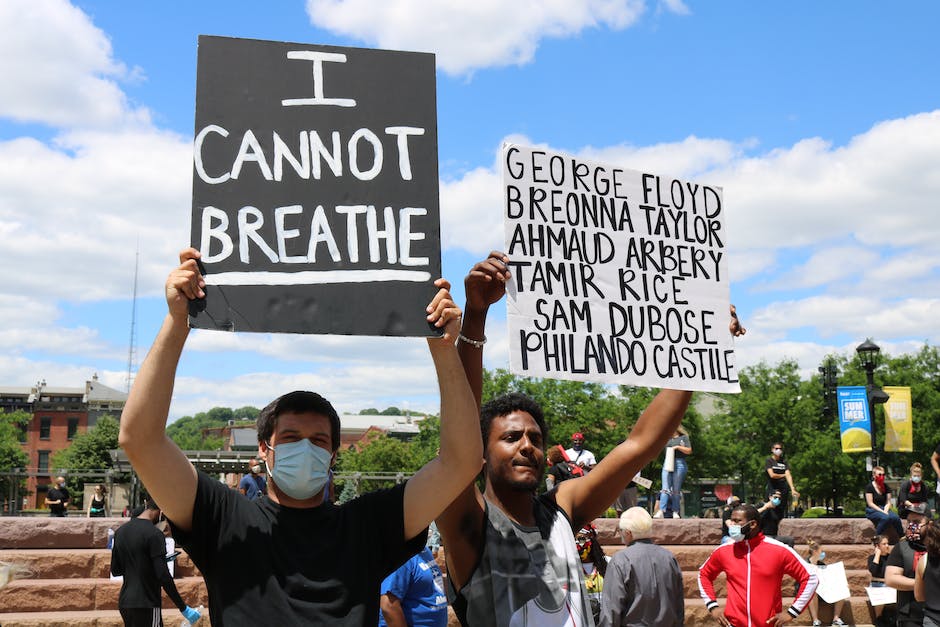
[(882, 521), (672, 485)]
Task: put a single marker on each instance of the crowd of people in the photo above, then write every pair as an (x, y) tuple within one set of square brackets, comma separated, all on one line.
[(515, 555)]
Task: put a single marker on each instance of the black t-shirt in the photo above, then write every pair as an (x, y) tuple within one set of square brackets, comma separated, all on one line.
[(561, 472), (880, 500), (932, 589), (779, 466), (902, 556), (877, 570), (266, 564), (770, 521), (136, 543), (56, 493)]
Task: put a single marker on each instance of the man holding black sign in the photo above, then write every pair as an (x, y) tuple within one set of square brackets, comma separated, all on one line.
[(311, 562), (511, 555)]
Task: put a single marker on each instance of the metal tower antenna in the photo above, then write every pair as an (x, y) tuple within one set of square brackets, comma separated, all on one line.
[(132, 348)]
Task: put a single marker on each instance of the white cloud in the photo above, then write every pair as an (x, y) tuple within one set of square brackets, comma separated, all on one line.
[(470, 35), (57, 68), (880, 188), (827, 266), (75, 210)]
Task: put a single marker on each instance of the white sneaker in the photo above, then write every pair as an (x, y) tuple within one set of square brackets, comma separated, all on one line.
[(837, 621), (658, 514), (676, 515), (817, 622)]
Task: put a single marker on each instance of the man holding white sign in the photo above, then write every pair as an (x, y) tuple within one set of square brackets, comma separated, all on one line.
[(511, 555), (311, 562)]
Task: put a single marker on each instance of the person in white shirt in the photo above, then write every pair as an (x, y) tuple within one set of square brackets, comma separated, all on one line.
[(579, 455)]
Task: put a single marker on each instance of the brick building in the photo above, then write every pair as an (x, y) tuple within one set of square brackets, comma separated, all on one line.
[(58, 415)]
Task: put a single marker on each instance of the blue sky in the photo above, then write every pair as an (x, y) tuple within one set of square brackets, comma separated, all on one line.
[(821, 121)]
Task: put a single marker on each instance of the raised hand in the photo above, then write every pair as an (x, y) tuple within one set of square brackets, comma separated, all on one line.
[(184, 284), (443, 313), (735, 327), (486, 282)]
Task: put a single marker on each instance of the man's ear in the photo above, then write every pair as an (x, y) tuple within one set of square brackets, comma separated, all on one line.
[(263, 451)]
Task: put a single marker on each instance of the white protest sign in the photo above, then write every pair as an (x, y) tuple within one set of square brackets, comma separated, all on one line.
[(881, 596), (833, 585), (619, 276)]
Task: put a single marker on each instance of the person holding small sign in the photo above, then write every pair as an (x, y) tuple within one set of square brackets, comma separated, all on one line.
[(511, 556), (310, 562)]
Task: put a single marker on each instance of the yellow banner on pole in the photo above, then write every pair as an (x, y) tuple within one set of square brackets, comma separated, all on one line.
[(899, 423)]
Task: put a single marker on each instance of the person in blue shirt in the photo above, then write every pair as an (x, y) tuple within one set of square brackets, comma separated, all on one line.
[(253, 484), (413, 595)]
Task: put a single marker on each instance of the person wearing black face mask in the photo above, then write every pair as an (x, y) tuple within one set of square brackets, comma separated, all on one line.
[(899, 572), (754, 565)]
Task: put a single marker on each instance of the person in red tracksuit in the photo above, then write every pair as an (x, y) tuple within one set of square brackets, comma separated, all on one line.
[(754, 565)]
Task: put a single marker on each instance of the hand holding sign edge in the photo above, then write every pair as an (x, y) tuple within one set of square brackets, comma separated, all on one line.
[(184, 284), (443, 313)]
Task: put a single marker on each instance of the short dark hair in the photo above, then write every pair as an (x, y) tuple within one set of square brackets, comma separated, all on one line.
[(505, 405), (297, 402), (150, 504), (931, 538), (750, 512)]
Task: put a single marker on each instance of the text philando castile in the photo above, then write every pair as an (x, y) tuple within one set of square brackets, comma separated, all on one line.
[(574, 221)]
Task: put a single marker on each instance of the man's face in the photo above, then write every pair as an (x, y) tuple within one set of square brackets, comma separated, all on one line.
[(291, 427), (514, 455), (577, 443), (740, 518), (253, 466)]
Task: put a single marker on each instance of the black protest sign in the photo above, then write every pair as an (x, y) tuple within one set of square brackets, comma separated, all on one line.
[(315, 188), (619, 276)]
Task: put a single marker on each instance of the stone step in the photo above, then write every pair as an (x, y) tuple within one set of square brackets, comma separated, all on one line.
[(858, 580), (94, 618), (708, 530), (77, 563), (84, 594), (855, 611), (691, 557)]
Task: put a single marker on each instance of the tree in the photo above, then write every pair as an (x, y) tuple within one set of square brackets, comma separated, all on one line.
[(187, 431), (12, 426), (88, 451)]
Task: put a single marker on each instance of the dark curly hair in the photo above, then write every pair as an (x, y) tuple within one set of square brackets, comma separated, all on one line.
[(931, 538), (297, 402), (506, 404)]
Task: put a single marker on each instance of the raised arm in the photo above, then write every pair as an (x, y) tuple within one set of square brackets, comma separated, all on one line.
[(161, 465), (461, 524), (484, 285), (585, 498), (442, 479)]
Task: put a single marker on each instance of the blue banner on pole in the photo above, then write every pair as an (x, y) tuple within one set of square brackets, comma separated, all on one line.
[(854, 419)]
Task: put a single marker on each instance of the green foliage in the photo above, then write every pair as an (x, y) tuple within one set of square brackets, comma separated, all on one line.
[(187, 431), (775, 404), (88, 451), (392, 411), (11, 453), (814, 512), (381, 454), (602, 414)]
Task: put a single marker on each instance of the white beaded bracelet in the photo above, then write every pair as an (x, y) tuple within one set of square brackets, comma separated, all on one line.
[(473, 343)]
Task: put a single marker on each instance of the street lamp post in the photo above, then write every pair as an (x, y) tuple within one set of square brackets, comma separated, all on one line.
[(868, 353)]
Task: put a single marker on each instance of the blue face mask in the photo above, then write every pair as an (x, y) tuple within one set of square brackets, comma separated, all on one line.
[(775, 501), (822, 555), (734, 532), (300, 468)]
